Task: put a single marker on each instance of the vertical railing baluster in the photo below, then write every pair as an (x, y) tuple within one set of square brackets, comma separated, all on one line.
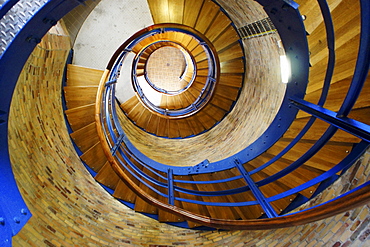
[(117, 144), (171, 194)]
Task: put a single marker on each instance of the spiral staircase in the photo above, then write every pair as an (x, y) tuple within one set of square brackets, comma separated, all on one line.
[(319, 132)]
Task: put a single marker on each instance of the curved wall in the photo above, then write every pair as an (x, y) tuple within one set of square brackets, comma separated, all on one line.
[(70, 209)]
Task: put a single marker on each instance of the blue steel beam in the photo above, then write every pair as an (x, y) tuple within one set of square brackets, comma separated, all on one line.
[(117, 144), (170, 189), (330, 40), (270, 212), (362, 64), (349, 125), (6, 7)]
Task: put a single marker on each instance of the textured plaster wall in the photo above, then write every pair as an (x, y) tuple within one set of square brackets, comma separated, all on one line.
[(109, 24)]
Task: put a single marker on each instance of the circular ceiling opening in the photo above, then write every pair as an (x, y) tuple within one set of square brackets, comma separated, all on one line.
[(166, 67)]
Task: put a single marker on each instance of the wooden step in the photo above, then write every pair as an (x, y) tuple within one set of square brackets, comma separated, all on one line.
[(226, 38), (246, 212), (159, 10), (289, 180), (152, 124), (205, 120), (176, 11), (94, 157), (107, 176), (184, 128), (232, 66), (173, 129), (336, 95), (128, 105), (215, 112), (192, 207), (144, 118), (208, 12), (222, 102), (83, 76), (231, 93), (77, 96), (191, 12), (86, 137), (272, 189), (231, 80), (316, 131), (231, 52), (218, 25), (162, 128), (195, 125), (80, 116), (124, 193)]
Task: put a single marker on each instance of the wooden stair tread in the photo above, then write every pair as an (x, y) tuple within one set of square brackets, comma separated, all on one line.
[(176, 10), (86, 137), (83, 76), (107, 176), (207, 14), (94, 157), (232, 66), (246, 212), (231, 93), (81, 116), (140, 204), (123, 192), (231, 52), (191, 12), (217, 212), (219, 24), (226, 38), (159, 11), (77, 96)]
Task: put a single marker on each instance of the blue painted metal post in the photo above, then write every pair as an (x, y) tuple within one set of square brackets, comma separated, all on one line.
[(362, 63), (117, 144), (171, 195), (270, 212), (349, 125)]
